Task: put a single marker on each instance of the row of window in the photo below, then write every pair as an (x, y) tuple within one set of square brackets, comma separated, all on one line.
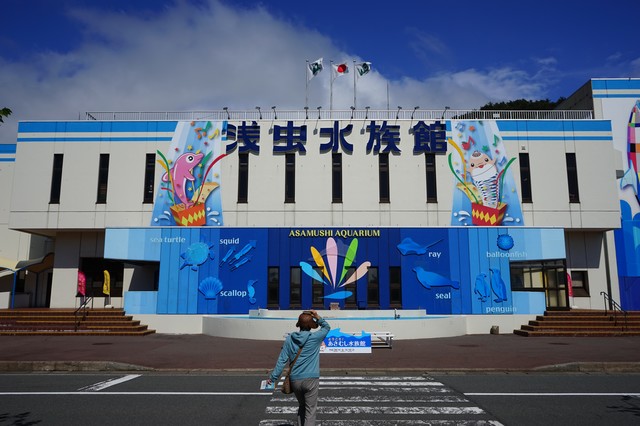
[(290, 178), (318, 289)]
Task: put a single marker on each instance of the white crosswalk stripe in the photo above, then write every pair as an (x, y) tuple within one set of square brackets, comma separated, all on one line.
[(382, 401)]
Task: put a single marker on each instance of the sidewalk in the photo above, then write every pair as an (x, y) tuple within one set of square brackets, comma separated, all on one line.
[(165, 352)]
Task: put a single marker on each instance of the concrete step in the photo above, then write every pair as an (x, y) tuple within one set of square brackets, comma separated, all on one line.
[(526, 333), (582, 322), (65, 322), (75, 333)]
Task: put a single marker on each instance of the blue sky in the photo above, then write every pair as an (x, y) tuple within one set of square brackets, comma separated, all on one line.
[(61, 58)]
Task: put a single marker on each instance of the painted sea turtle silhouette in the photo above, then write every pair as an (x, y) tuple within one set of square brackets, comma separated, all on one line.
[(196, 255)]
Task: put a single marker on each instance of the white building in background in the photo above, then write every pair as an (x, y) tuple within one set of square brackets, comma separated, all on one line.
[(472, 213)]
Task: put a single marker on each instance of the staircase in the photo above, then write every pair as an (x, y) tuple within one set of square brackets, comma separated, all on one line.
[(69, 322), (583, 322)]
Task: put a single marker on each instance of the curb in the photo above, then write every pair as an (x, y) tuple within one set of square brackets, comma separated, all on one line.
[(108, 366), (50, 366)]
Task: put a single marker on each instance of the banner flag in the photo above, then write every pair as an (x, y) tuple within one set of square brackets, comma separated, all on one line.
[(314, 68), (106, 286), (363, 68)]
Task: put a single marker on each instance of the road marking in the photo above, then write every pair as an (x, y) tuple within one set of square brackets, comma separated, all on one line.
[(396, 422), (139, 393), (551, 394), (378, 383), (377, 398), (389, 410), (108, 383)]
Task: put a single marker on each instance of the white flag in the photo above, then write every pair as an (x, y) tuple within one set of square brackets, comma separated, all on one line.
[(314, 68), (340, 69), (363, 68)]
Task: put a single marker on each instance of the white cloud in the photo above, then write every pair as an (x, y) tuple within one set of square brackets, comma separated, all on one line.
[(181, 59)]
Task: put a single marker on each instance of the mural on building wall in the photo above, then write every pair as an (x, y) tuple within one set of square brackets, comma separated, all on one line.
[(328, 265), (628, 236), (629, 181), (443, 271), (485, 191), (189, 191)]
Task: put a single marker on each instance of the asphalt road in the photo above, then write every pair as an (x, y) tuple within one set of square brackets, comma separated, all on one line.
[(518, 399)]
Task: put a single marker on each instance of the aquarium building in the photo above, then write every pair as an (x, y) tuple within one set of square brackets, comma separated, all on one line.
[(484, 217)]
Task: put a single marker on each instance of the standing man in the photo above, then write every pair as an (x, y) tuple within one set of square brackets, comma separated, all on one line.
[(305, 375)]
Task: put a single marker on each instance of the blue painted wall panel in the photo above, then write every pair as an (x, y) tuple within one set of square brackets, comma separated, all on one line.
[(444, 270)]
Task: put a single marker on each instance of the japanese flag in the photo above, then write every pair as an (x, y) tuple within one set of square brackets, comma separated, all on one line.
[(340, 69)]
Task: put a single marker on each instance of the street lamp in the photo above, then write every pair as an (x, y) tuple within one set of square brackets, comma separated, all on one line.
[(259, 112), (398, 113), (226, 109), (275, 115), (414, 111)]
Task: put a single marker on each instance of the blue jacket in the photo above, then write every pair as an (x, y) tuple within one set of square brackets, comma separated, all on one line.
[(308, 364)]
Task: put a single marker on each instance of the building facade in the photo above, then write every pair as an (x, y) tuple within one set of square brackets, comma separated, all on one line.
[(454, 213)]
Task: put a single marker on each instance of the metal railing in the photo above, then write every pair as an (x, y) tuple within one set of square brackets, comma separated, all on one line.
[(320, 114), (81, 313), (614, 307)]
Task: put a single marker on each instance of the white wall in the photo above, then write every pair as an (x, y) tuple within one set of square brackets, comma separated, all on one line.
[(598, 208)]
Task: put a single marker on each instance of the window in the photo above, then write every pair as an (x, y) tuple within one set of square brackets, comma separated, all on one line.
[(373, 288), (351, 301), (395, 287), (432, 190), (383, 172), (149, 176), (56, 179), (525, 178), (290, 178), (336, 177), (572, 176), (317, 290), (243, 177), (548, 276), (273, 287), (580, 283), (295, 288), (103, 178)]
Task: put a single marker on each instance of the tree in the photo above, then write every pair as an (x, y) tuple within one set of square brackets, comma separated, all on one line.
[(4, 112), (522, 105)]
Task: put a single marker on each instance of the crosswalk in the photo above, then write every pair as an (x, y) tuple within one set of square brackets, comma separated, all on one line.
[(382, 401)]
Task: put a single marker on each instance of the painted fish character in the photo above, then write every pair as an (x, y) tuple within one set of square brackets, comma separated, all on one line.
[(196, 255), (431, 279), (498, 286), (481, 287), (484, 174), (181, 172), (632, 175)]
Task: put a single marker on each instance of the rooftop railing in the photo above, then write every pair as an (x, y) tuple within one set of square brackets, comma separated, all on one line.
[(355, 114)]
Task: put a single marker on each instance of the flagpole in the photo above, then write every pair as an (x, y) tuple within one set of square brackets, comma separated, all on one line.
[(330, 88), (355, 71), (306, 91)]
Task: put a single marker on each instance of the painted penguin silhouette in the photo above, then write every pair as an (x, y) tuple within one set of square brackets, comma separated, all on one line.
[(482, 288), (498, 286)]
